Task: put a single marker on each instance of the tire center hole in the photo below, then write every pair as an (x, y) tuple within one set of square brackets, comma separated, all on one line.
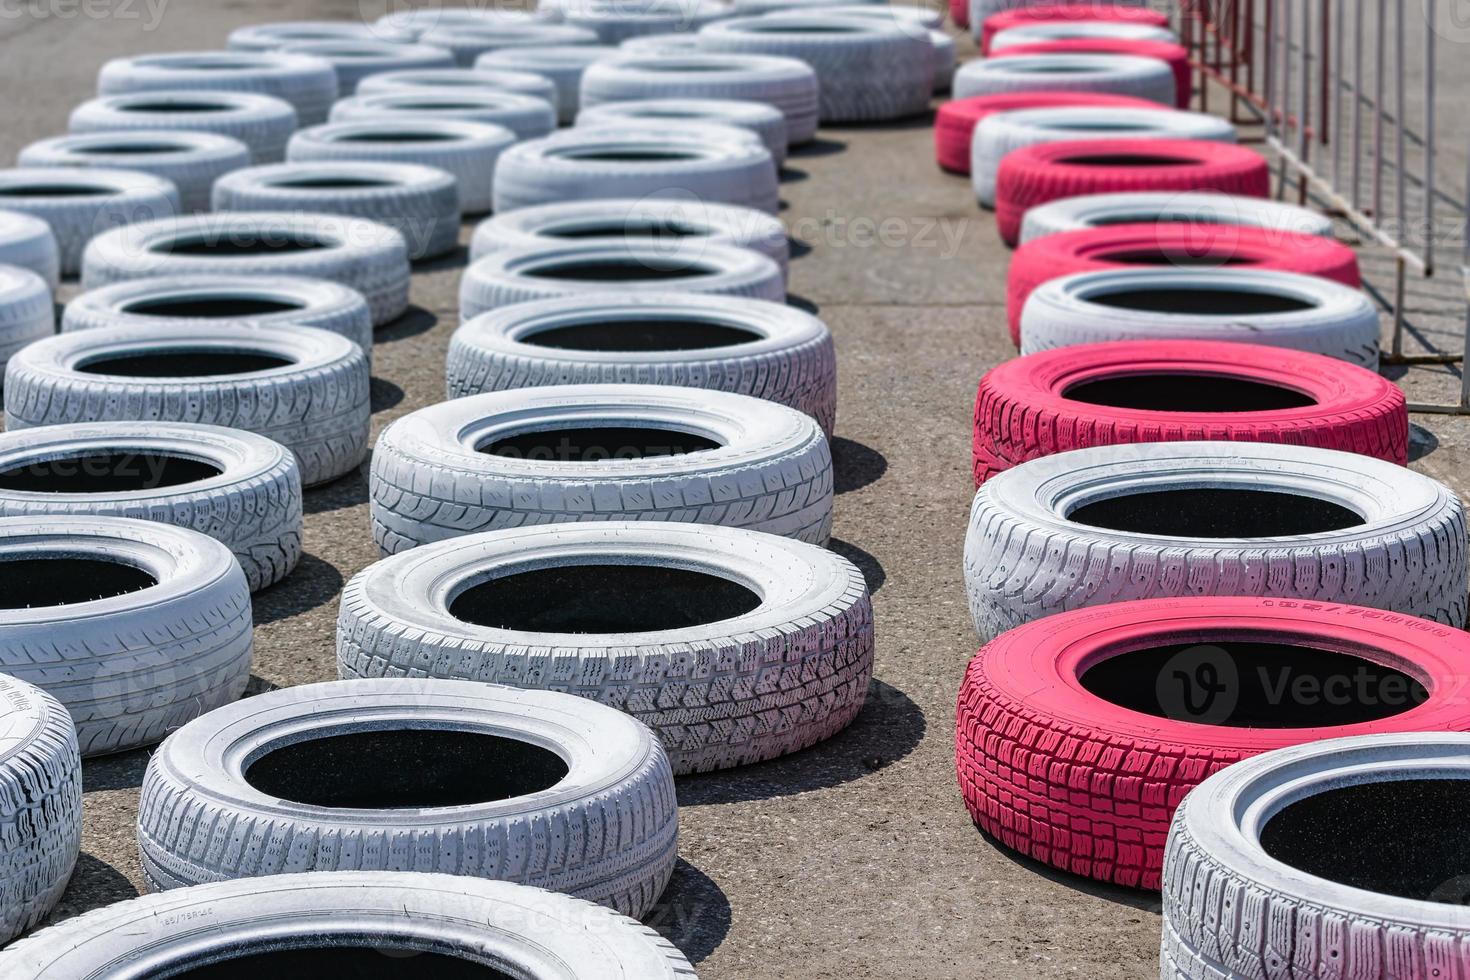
[(1402, 837), (61, 581), (1186, 392), (627, 155), (242, 243), (632, 335), (618, 270), (597, 444), (1128, 160), (1177, 257), (176, 107), (1200, 302), (330, 183), (405, 768), (1253, 685), (631, 598), (116, 472), (127, 149), (183, 364), (210, 307), (1216, 512), (397, 136), (629, 228), (372, 959), (56, 190)]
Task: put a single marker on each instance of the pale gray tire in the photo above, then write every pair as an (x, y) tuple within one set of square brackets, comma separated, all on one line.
[(40, 805), (26, 241), (765, 121), (420, 202), (615, 21), (788, 84), (640, 160), (421, 19), (80, 203), (765, 350), (1315, 315), (1004, 132), (1096, 210), (558, 836), (926, 17), (561, 65), (316, 404), (497, 925), (771, 469), (1231, 909), (26, 310), (1025, 558), (525, 115), (308, 83), (468, 151), (261, 122), (919, 22), (753, 8), (629, 219), (132, 666), (205, 301), (781, 676), (867, 70), (468, 43), (363, 255), (1144, 78), (190, 161), (946, 61), (458, 80), (517, 275), (271, 37), (1041, 32), (251, 504), (354, 60), (682, 42)]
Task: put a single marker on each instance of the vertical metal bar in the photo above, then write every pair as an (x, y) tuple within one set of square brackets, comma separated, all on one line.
[(1430, 67), (1357, 155), (1337, 98), (1304, 111), (1325, 132), (1401, 182), (1379, 71)]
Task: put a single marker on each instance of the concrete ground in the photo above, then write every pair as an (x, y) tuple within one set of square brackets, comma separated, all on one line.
[(855, 858)]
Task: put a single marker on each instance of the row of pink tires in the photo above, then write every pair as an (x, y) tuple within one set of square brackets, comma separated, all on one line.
[(1196, 679)]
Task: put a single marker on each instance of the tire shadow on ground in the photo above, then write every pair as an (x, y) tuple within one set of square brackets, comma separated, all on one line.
[(889, 727), (348, 490), (819, 146), (122, 770), (855, 465), (414, 321), (692, 913), (872, 569), (312, 583), (1136, 898), (93, 884)]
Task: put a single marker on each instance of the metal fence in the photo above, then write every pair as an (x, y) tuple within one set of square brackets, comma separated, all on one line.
[(1348, 93)]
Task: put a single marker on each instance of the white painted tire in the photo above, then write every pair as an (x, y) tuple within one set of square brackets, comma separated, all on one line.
[(238, 488), (667, 223), (1028, 554), (1041, 32), (26, 310), (418, 20), (1144, 78), (724, 343), (354, 60), (205, 301), (760, 466), (140, 627), (192, 162), (261, 122), (682, 42), (26, 241), (305, 388), (1234, 907), (786, 83), (80, 203), (363, 255), (525, 115), (756, 8), (765, 121), (558, 835), (561, 65), (926, 17), (615, 21), (867, 70), (1279, 309), (379, 914), (40, 805), (421, 203), (308, 83), (518, 275), (1095, 210), (468, 43), (467, 151), (681, 162), (1003, 132), (458, 80), (272, 37), (915, 21), (808, 614)]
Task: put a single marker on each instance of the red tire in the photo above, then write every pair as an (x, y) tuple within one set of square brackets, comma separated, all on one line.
[(1115, 394), (1173, 54), (959, 12), (996, 23), (955, 122), (1045, 172), (1084, 782), (1113, 246)]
